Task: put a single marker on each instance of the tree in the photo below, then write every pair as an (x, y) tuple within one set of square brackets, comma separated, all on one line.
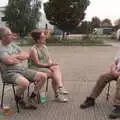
[(22, 15), (106, 23), (95, 23), (85, 27), (65, 14)]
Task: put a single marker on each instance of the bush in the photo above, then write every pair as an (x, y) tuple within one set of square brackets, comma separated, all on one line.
[(53, 39), (26, 41), (86, 40)]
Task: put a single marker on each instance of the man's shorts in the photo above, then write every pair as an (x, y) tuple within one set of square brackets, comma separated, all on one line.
[(10, 76)]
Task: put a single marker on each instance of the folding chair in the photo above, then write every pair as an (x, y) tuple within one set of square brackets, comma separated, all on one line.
[(13, 87)]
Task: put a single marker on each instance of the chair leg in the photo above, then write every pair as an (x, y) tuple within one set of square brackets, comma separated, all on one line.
[(2, 95), (108, 92), (46, 91), (28, 92), (38, 97), (15, 98)]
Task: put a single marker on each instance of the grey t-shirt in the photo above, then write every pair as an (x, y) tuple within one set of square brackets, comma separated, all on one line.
[(7, 51)]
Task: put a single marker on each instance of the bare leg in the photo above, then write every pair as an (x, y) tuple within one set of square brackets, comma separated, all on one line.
[(22, 83), (40, 79), (54, 86), (57, 76)]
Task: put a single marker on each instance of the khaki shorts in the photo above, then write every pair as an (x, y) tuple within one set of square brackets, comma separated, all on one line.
[(10, 76)]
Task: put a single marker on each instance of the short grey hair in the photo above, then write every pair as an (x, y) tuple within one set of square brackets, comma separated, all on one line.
[(3, 31)]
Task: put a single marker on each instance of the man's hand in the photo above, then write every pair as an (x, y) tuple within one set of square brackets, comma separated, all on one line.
[(22, 55), (15, 61), (11, 60)]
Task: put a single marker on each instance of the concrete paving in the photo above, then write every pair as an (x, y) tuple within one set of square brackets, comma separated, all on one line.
[(80, 67)]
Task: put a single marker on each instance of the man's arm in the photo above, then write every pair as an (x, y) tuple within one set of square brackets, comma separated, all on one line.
[(14, 58), (22, 55), (9, 60)]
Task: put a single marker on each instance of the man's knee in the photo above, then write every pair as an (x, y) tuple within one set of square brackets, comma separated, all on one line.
[(26, 84), (22, 82), (103, 78)]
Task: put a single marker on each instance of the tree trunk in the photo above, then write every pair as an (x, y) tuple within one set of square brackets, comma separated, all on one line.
[(63, 35)]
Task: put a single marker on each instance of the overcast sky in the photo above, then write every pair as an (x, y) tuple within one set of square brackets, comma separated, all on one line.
[(100, 8)]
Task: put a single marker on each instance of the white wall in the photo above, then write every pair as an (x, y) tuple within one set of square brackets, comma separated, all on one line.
[(1, 15)]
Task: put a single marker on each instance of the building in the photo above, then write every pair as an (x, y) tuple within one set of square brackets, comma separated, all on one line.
[(42, 24), (2, 15)]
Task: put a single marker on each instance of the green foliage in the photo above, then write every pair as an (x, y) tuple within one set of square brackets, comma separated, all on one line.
[(95, 23), (84, 28), (22, 15), (85, 40), (53, 39), (65, 14), (106, 23)]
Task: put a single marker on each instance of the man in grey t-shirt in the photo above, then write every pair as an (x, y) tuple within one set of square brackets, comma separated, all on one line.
[(13, 69)]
